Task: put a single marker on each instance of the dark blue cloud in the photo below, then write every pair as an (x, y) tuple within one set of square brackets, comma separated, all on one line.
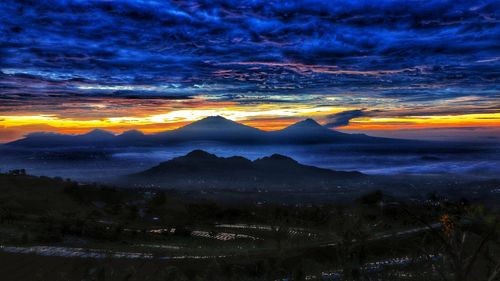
[(343, 118), (241, 47)]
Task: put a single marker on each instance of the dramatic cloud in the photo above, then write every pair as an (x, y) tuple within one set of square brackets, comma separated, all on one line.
[(342, 118), (260, 44), (390, 55)]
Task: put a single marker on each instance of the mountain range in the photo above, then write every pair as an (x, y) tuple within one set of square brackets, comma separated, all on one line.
[(202, 170), (214, 129)]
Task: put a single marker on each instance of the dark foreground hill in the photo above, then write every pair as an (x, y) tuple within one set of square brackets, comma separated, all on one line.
[(55, 229), (200, 170)]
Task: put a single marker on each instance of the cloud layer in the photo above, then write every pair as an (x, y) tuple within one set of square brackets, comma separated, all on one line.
[(400, 57)]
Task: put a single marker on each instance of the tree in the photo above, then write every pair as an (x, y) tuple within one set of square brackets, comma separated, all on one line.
[(466, 237)]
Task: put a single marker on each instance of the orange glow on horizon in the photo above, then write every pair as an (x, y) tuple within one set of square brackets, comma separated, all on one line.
[(263, 117)]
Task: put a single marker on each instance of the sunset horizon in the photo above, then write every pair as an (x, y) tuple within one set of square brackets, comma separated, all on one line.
[(250, 140), (444, 127), (153, 66)]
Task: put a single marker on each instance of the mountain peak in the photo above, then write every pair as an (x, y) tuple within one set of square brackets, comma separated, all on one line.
[(132, 133), (276, 159), (307, 124), (215, 117), (216, 124), (99, 133), (200, 154), (212, 121), (280, 157)]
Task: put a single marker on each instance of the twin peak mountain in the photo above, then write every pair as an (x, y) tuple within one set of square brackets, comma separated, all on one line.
[(202, 170), (210, 129)]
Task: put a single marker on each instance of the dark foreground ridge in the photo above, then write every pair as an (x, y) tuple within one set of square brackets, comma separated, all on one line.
[(60, 230), (213, 128), (200, 170)]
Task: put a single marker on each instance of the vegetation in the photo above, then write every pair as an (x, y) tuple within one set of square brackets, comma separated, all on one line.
[(95, 232)]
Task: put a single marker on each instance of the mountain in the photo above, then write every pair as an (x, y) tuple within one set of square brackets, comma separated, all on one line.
[(309, 131), (132, 138), (95, 137), (43, 139), (201, 170), (132, 134), (213, 129)]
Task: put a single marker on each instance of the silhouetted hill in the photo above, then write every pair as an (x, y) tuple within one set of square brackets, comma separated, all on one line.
[(132, 138), (199, 169), (214, 128), (132, 134), (310, 131), (95, 137)]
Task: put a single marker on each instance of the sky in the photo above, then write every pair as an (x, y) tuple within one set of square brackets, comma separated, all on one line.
[(413, 69)]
